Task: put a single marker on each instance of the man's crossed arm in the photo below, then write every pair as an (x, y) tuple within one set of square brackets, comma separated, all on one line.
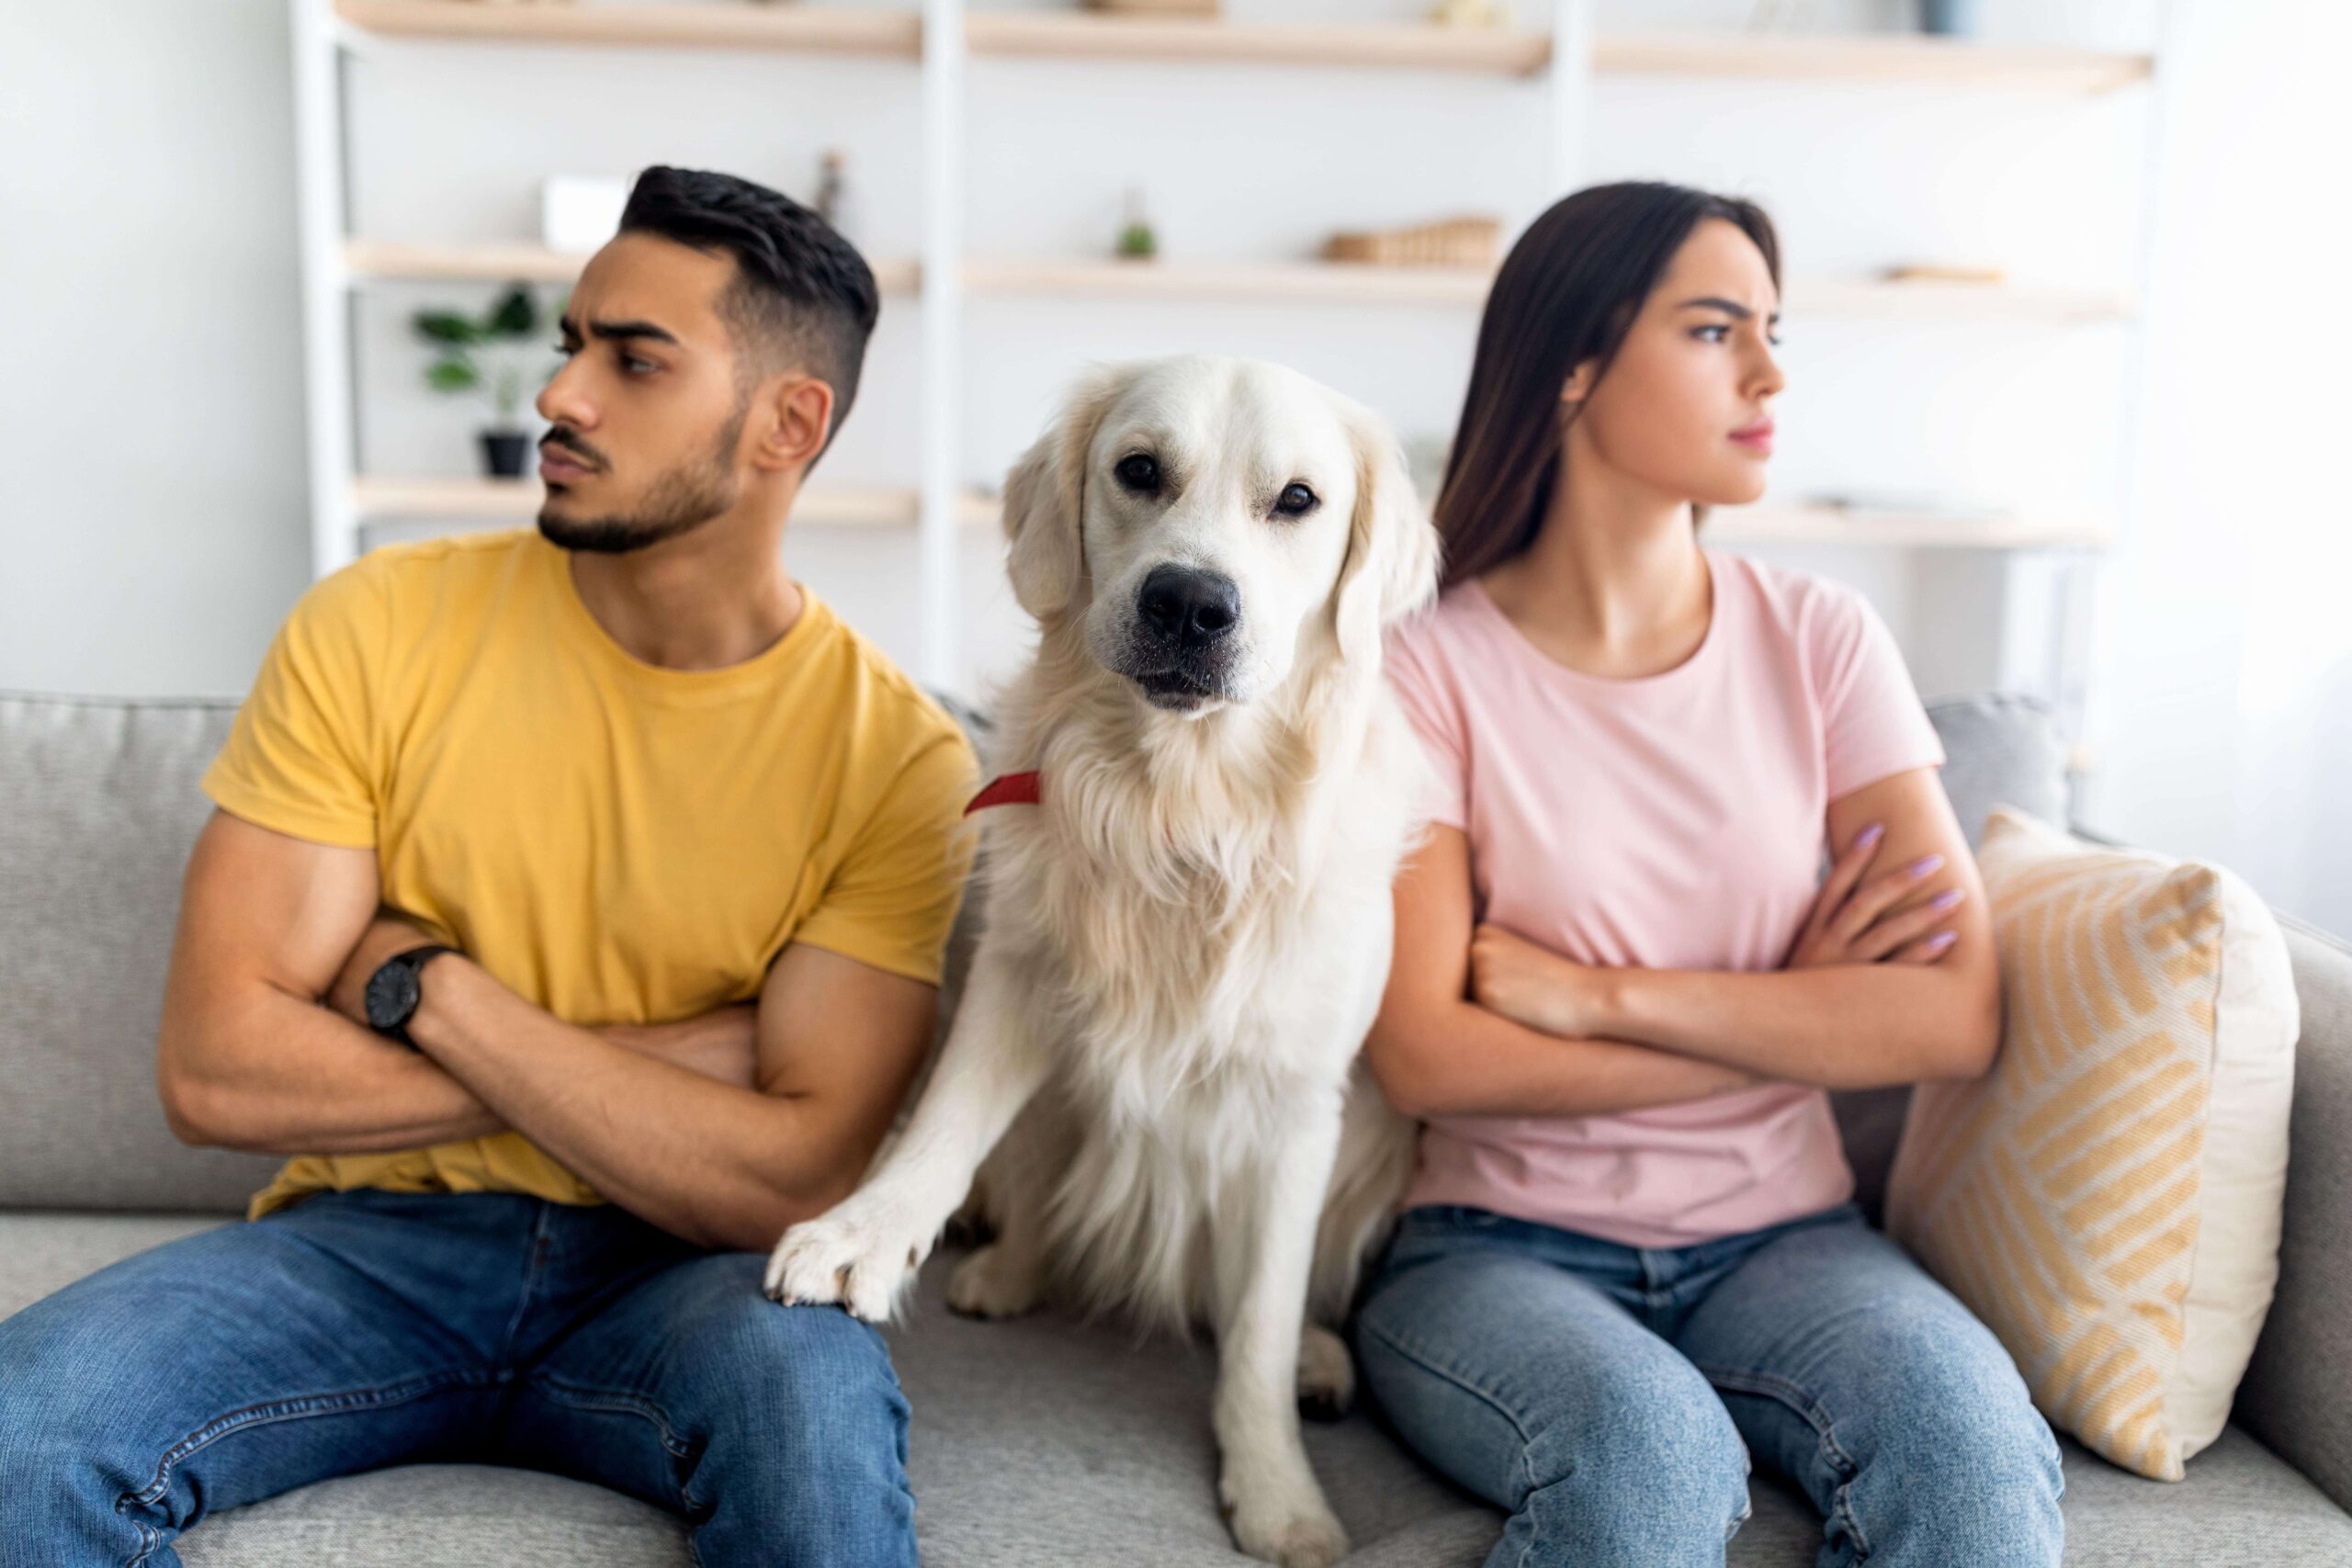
[(723, 1130)]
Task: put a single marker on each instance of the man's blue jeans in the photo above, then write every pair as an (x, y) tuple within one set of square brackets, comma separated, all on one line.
[(362, 1329), (1608, 1397)]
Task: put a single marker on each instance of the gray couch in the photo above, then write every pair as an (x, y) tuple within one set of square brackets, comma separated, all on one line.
[(1035, 1443)]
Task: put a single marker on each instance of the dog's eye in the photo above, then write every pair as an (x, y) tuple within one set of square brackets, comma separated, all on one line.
[(1138, 473), (1296, 500)]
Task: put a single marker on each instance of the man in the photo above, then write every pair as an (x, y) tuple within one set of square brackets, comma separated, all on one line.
[(691, 848)]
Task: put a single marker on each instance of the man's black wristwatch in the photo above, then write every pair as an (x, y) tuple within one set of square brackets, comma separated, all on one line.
[(393, 991)]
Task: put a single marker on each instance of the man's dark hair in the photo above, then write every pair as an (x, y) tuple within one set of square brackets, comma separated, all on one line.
[(801, 293)]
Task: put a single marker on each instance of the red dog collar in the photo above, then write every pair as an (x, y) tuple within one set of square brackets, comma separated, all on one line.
[(1012, 789)]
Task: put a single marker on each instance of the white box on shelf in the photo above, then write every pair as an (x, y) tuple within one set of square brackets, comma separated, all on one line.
[(579, 212)]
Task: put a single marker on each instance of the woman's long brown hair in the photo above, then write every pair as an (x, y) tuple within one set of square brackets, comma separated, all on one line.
[(1566, 293)]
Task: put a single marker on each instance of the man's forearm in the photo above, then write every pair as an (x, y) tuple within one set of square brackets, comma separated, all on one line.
[(280, 1075), (719, 1164), (1838, 1026)]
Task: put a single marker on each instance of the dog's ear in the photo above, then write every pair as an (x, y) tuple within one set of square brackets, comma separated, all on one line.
[(1044, 514), (1391, 568)]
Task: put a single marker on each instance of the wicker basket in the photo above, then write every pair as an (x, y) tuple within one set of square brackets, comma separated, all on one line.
[(1455, 241)]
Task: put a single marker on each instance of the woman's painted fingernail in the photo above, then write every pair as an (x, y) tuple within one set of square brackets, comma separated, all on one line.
[(1870, 835), (1947, 900), (1938, 944), (1926, 865)]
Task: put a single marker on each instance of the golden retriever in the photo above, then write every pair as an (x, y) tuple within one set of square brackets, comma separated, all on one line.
[(1188, 934)]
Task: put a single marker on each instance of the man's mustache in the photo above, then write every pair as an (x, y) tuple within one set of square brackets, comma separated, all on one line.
[(562, 436)]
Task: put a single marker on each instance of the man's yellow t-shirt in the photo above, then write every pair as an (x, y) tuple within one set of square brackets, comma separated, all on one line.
[(617, 842)]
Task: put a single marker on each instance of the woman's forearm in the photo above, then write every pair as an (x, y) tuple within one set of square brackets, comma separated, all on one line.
[(1838, 1026), (1470, 1061)]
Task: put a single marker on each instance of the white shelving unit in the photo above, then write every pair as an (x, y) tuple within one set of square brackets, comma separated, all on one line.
[(938, 39)]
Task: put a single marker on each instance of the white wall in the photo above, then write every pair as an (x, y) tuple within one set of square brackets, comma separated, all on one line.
[(152, 502), (151, 435), (2221, 695)]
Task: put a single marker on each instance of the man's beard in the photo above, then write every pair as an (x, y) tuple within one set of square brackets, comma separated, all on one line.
[(678, 502)]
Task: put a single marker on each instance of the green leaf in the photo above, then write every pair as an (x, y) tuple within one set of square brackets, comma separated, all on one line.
[(516, 315), (452, 374), (445, 326)]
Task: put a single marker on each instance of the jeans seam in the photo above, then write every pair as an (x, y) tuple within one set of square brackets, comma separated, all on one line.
[(1462, 1380), (625, 1402), (274, 1410), (1797, 1398), (531, 1263)]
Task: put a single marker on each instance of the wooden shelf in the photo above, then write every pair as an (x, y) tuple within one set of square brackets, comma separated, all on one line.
[(1878, 297), (1328, 281), (1889, 57), (813, 29), (1772, 524), (1358, 283), (1077, 35), (861, 506), (380, 259), (1885, 57), (886, 506), (1768, 523)]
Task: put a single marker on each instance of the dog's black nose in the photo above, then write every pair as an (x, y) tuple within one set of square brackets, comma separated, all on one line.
[(1190, 607)]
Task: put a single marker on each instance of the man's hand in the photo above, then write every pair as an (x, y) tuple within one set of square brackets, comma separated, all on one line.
[(722, 1045), (1529, 984), (388, 935), (1892, 917)]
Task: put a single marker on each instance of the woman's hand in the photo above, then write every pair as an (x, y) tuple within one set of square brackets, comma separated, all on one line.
[(1891, 917), (1531, 984)]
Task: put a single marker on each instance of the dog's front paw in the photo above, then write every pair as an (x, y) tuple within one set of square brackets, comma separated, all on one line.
[(856, 1255), (1286, 1524)]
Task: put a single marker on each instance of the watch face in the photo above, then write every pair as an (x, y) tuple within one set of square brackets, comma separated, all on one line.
[(392, 993)]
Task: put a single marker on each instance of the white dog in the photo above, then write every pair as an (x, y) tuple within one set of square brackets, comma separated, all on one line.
[(1188, 934)]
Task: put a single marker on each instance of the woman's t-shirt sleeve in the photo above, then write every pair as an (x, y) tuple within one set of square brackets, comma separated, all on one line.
[(1872, 724), (1435, 711)]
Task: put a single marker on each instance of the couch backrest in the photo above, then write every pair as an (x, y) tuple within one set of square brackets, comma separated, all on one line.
[(98, 806), (2297, 1396)]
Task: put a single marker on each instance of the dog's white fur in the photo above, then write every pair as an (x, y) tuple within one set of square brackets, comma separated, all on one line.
[(1187, 942)]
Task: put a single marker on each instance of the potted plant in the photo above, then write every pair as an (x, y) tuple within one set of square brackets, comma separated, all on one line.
[(486, 354)]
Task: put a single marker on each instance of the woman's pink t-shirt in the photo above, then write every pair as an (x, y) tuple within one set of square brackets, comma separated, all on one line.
[(1676, 821)]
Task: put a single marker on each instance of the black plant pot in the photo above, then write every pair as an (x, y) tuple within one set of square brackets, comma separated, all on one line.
[(503, 452)]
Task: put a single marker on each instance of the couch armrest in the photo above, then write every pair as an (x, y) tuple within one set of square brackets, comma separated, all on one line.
[(2297, 1396)]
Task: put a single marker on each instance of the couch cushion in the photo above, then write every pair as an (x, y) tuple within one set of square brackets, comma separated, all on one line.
[(98, 804), (2108, 1198), (1050, 1445)]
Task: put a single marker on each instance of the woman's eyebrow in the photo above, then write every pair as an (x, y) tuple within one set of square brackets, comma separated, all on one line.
[(1731, 308)]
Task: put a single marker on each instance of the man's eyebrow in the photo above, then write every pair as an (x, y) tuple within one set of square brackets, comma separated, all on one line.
[(615, 331), (1712, 302)]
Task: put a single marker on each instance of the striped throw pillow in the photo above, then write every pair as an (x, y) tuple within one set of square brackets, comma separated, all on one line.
[(2108, 1198)]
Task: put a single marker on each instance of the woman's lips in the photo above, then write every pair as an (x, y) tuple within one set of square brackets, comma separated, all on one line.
[(1757, 438)]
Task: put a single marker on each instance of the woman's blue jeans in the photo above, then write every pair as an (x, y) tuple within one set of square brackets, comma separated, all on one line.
[(361, 1329), (1608, 1397)]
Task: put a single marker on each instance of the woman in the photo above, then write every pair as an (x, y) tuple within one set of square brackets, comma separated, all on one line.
[(1621, 989)]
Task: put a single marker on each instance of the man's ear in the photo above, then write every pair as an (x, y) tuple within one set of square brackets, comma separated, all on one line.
[(1044, 501), (801, 409), (1391, 568)]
